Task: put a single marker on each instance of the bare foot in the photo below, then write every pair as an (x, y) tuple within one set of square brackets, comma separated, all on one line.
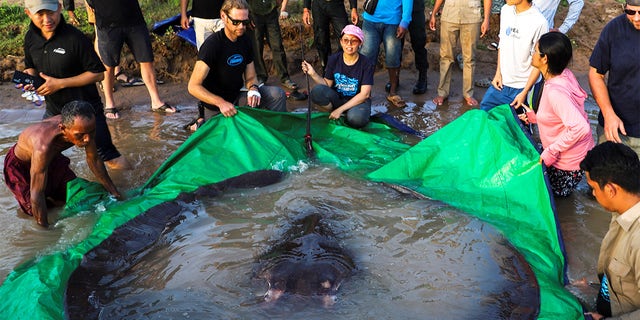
[(439, 100), (471, 101), (119, 163)]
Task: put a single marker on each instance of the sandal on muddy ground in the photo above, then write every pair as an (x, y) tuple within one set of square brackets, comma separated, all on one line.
[(396, 101), (483, 83), (165, 109), (124, 80), (112, 113), (194, 124)]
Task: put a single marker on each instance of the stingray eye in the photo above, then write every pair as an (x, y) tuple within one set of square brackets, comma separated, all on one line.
[(326, 284)]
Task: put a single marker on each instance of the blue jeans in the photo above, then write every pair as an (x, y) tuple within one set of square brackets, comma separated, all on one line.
[(494, 97), (376, 33), (356, 117)]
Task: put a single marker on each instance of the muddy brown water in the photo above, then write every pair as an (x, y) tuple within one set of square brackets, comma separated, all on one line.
[(412, 255)]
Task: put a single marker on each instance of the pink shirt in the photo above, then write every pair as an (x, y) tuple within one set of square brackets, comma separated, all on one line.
[(563, 124)]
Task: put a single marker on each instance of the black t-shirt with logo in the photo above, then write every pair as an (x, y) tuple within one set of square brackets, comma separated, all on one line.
[(227, 61), (67, 53)]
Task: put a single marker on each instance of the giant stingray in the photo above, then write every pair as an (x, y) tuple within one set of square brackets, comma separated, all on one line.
[(307, 260)]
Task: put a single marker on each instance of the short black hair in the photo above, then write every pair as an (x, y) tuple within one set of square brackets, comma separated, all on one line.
[(612, 162), (76, 108), (557, 47)]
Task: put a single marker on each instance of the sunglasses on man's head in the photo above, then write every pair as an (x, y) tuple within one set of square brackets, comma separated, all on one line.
[(238, 22)]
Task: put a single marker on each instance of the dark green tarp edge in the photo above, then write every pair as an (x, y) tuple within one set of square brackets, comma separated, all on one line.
[(226, 147)]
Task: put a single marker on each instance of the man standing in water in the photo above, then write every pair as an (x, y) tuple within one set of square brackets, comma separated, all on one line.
[(35, 169), (65, 58), (613, 173)]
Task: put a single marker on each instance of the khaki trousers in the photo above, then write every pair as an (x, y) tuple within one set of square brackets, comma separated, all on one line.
[(468, 34)]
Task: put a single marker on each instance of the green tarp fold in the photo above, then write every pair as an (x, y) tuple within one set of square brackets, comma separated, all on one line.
[(481, 163)]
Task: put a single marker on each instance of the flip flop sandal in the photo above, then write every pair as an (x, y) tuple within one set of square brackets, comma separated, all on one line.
[(163, 109), (132, 82), (483, 83), (397, 101), (128, 81), (113, 111), (198, 122)]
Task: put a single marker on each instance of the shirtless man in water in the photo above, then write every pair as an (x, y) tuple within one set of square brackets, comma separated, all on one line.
[(35, 169)]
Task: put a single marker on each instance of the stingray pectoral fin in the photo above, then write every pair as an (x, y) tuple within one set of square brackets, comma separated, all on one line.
[(254, 179)]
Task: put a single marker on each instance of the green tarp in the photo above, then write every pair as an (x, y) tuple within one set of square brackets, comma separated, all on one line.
[(481, 163)]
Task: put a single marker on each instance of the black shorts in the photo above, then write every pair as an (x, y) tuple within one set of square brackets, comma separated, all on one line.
[(110, 41), (106, 150)]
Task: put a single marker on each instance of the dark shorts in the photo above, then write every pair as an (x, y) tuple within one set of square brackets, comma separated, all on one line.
[(106, 150), (17, 176), (563, 182), (110, 41)]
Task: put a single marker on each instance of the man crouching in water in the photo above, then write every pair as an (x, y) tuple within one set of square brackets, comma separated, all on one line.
[(35, 169)]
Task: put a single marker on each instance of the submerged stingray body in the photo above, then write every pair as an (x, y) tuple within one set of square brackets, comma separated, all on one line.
[(112, 259), (308, 262)]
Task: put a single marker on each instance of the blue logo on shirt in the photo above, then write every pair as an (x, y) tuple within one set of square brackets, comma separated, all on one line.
[(235, 60), (345, 85)]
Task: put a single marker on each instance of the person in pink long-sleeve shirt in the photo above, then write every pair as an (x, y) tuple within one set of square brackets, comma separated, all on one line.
[(563, 124)]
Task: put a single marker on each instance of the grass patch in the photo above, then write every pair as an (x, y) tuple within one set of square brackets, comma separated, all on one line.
[(14, 22)]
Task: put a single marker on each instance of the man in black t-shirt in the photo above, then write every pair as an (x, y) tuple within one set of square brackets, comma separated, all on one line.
[(65, 59), (224, 58)]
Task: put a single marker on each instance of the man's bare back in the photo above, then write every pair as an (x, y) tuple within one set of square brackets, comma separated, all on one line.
[(36, 157), (46, 136)]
